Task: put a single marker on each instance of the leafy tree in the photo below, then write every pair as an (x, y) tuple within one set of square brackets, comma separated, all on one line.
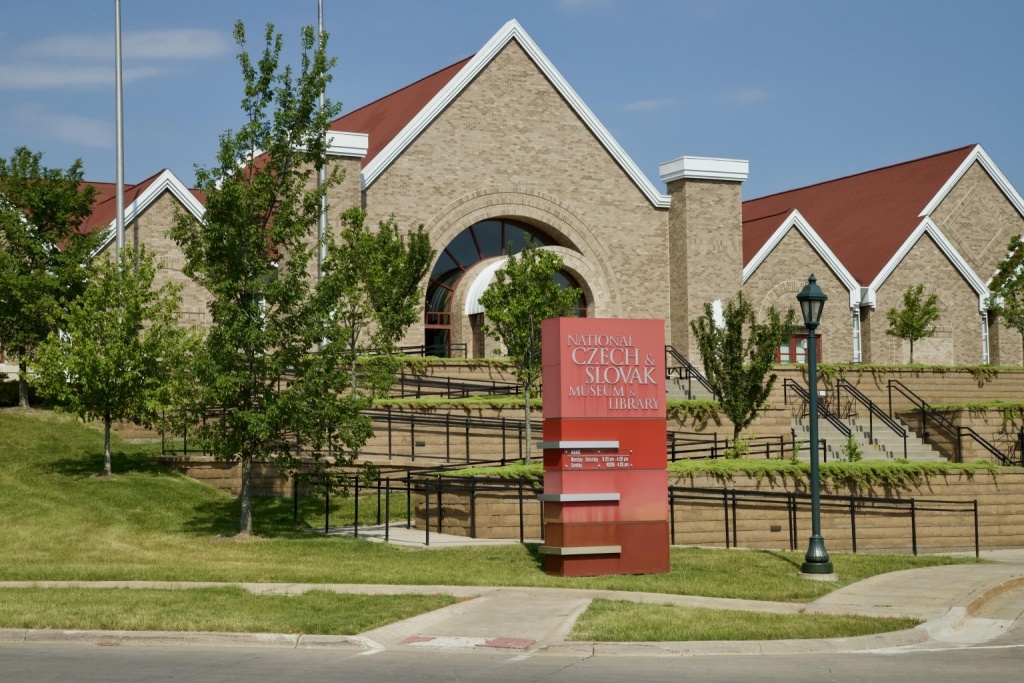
[(915, 320), (738, 356), (1007, 287), (43, 256), (523, 295), (277, 398), (376, 285), (118, 347)]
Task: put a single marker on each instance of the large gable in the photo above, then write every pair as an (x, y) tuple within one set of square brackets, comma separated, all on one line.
[(865, 218), (383, 119), (396, 120)]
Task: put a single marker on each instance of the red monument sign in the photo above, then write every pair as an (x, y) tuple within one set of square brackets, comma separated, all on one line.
[(605, 484)]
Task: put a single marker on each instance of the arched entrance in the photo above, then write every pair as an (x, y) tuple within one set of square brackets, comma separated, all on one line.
[(479, 242)]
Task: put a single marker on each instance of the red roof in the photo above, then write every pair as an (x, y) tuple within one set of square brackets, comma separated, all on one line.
[(104, 207), (863, 218), (385, 118)]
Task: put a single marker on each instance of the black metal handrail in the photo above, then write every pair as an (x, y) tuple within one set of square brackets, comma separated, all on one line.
[(730, 498), (801, 393), (415, 386), (684, 369), (466, 426), (873, 411), (929, 412)]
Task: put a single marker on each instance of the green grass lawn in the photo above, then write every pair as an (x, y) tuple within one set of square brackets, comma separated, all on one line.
[(208, 609), (622, 621), (62, 522)]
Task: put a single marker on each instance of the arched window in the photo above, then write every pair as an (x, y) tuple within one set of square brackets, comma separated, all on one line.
[(480, 241)]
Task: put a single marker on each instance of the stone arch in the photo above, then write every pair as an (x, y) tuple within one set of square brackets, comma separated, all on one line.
[(776, 294), (587, 253)]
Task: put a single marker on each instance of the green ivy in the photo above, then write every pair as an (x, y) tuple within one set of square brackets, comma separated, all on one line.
[(701, 411), (855, 475), (432, 403)]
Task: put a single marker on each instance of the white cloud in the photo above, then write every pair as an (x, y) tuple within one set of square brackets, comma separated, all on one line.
[(167, 44), (648, 105), (66, 127), (743, 96), (43, 76)]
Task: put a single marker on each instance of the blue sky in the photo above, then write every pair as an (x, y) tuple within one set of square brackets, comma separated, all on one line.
[(805, 90)]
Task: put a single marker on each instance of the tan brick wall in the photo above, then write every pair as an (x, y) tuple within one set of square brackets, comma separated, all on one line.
[(979, 220), (957, 339), (151, 230), (706, 252), (784, 273), (510, 146)]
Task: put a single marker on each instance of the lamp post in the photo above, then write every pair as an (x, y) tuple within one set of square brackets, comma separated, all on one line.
[(812, 301)]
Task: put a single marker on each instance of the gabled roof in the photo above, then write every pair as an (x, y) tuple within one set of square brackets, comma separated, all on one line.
[(383, 119), (416, 107), (137, 198), (864, 219)]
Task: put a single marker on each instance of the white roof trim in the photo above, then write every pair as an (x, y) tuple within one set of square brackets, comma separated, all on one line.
[(510, 31), (928, 227), (704, 168), (977, 155), (165, 182), (797, 221), (480, 285), (347, 144)]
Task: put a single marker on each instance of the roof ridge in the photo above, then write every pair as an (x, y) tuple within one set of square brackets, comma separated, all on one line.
[(861, 173)]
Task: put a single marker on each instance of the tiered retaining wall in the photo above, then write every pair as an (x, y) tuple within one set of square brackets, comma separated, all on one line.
[(1000, 506)]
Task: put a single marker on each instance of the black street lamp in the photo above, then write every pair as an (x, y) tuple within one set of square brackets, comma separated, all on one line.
[(812, 300)]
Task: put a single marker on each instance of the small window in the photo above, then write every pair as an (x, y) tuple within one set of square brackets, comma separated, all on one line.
[(795, 350)]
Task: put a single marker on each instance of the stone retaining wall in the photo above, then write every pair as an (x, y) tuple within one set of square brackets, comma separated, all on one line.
[(1000, 506)]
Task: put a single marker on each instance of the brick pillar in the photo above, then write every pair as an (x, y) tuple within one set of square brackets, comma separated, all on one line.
[(705, 239)]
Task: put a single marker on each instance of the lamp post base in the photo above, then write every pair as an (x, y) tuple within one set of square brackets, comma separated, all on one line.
[(816, 561)]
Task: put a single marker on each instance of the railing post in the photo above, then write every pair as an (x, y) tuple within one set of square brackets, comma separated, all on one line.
[(295, 500), (387, 510), (672, 513), (447, 437), (503, 440), (378, 500), (355, 521), (412, 433), (522, 533), (725, 510), (977, 538), (426, 511), (913, 524), (408, 500), (472, 508), (853, 521)]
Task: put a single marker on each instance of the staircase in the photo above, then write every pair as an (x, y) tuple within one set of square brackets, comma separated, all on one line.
[(887, 444), (683, 380)]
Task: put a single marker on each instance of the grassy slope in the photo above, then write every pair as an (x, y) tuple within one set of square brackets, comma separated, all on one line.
[(61, 522)]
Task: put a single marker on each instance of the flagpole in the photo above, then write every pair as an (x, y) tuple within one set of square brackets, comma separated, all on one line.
[(119, 220), (321, 176)]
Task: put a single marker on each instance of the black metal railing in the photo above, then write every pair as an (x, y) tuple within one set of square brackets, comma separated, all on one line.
[(790, 386), (409, 385), (940, 422), (875, 412), (676, 366), (459, 432), (433, 487), (731, 500)]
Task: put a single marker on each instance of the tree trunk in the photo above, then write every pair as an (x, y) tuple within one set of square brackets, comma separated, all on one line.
[(22, 384), (245, 523), (911, 351), (526, 413), (106, 446)]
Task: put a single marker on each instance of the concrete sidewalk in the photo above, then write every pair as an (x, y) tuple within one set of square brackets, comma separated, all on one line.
[(961, 605)]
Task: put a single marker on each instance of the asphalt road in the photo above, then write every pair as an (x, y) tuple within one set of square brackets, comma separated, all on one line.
[(1001, 660)]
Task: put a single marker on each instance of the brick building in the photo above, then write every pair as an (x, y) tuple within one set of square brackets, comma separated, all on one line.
[(498, 147)]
